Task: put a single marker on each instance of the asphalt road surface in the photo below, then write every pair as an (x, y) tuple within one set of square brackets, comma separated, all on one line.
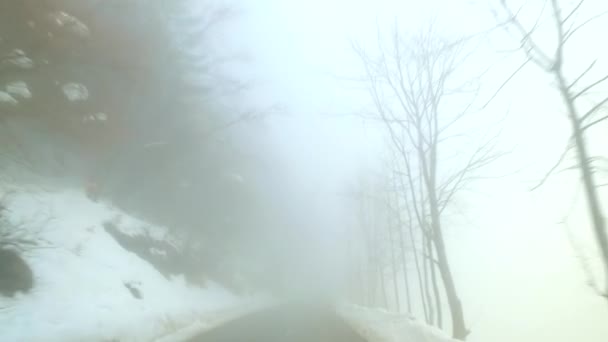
[(293, 323)]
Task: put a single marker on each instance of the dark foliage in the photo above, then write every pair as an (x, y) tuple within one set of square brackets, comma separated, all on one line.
[(195, 264), (160, 254), (140, 138)]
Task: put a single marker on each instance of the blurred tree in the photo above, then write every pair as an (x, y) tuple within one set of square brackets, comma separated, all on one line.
[(582, 105), (120, 96), (423, 96)]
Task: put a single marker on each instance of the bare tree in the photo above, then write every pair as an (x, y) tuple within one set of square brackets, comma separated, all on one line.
[(426, 266), (391, 246), (572, 92), (404, 263), (396, 210), (417, 94), (432, 262), (381, 237), (417, 261), (373, 259)]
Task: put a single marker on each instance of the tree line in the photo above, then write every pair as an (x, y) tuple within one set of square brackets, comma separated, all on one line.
[(426, 95)]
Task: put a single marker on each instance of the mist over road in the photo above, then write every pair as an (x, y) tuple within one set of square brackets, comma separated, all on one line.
[(286, 323)]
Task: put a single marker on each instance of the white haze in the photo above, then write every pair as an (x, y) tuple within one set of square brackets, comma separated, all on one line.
[(519, 277)]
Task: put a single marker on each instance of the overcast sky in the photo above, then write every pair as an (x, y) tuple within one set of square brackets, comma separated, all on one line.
[(519, 277)]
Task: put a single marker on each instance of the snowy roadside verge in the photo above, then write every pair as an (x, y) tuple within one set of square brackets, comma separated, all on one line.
[(87, 287), (377, 325)]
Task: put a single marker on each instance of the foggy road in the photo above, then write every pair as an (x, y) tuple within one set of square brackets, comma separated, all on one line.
[(284, 324)]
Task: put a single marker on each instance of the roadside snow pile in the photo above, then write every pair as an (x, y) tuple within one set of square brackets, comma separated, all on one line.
[(377, 325), (86, 287)]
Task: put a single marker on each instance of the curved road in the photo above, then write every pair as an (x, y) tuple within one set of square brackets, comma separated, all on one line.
[(293, 323)]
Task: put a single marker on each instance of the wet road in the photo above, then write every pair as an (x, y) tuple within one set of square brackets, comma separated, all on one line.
[(284, 324)]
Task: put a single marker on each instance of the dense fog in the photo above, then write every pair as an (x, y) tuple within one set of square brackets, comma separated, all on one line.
[(444, 160)]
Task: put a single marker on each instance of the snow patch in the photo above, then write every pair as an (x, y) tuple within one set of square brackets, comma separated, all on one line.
[(75, 92), (157, 251), (95, 117), (80, 274), (7, 98), (17, 58), (19, 89), (63, 19), (377, 325)]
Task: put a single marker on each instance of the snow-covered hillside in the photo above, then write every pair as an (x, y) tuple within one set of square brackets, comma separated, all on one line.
[(86, 287), (377, 325)]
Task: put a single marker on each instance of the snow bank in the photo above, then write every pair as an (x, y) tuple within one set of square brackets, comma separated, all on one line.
[(209, 322), (377, 325), (81, 275)]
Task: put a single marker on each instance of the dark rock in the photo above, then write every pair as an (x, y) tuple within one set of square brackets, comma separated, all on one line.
[(135, 292), (15, 274)]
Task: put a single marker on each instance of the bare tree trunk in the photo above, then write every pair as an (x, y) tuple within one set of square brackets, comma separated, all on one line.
[(355, 286), (406, 280), (554, 64), (373, 282), (427, 291), (435, 285), (593, 201), (459, 330), (360, 286), (410, 229), (409, 88), (391, 246), (362, 292), (599, 224), (395, 269), (367, 264), (429, 171), (373, 266), (383, 287)]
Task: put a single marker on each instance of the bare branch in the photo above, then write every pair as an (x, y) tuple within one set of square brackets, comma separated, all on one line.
[(572, 31), (430, 258), (593, 109), (532, 50), (482, 157), (583, 260), (559, 28), (504, 84), (582, 74), (573, 11), (593, 123), (578, 139), (562, 157), (589, 87)]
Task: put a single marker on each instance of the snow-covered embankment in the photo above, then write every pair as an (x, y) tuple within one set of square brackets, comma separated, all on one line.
[(86, 287), (377, 325)]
